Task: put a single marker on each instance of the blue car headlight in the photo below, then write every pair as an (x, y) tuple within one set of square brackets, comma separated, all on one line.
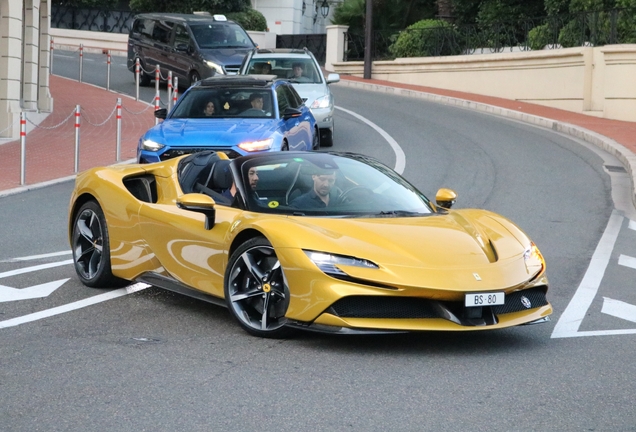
[(151, 145), (260, 145), (327, 262)]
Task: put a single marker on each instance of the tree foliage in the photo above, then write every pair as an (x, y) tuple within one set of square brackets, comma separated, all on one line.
[(387, 14), (425, 38), (189, 6)]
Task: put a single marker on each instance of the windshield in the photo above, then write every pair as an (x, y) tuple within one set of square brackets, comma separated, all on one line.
[(220, 35), (325, 184), (295, 69), (213, 102)]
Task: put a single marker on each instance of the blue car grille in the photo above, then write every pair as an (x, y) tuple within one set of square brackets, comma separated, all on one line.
[(174, 152)]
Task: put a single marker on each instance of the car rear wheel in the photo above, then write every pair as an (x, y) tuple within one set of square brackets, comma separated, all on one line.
[(91, 248), (256, 290)]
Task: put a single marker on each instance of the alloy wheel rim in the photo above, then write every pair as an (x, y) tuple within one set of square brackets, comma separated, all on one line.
[(258, 290), (88, 244)]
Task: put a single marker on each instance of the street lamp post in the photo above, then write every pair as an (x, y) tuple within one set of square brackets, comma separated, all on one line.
[(324, 9), (368, 40)]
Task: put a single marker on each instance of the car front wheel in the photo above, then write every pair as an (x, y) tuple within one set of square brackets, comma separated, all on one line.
[(256, 290)]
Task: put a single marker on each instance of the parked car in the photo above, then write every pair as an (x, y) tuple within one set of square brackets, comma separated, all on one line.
[(379, 258), (310, 81), (192, 46), (237, 124)]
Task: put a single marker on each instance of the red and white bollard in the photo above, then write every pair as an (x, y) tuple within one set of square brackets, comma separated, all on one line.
[(175, 91), (108, 70), (51, 57), (157, 99), (157, 78), (81, 60), (118, 129), (77, 136), (169, 90), (137, 79), (22, 147)]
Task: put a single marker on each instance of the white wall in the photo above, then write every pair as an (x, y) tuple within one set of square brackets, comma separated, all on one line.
[(287, 17)]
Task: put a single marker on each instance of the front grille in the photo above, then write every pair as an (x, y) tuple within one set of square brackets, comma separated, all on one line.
[(415, 307), (514, 303), (383, 307), (232, 69), (174, 152)]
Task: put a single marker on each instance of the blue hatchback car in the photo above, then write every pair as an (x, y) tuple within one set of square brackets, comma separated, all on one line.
[(235, 114)]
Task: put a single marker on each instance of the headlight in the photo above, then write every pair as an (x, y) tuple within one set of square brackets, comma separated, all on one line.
[(151, 145), (533, 259), (252, 146), (214, 66), (321, 102), (328, 262)]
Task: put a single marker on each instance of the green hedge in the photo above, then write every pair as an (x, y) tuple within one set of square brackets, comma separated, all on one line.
[(425, 38)]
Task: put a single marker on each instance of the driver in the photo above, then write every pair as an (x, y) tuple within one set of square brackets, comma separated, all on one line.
[(321, 195)]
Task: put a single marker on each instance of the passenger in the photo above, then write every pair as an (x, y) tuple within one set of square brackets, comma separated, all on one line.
[(209, 109), (321, 195), (256, 100)]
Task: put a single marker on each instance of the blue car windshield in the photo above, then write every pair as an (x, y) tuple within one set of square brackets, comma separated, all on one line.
[(220, 35), (326, 184), (212, 102)]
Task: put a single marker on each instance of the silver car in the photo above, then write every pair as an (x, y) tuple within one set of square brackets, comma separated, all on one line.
[(300, 67)]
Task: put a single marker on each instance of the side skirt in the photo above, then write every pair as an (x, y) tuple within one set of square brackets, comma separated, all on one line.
[(176, 286)]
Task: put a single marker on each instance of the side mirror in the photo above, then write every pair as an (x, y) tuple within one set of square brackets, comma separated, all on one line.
[(445, 198), (333, 78), (199, 203), (291, 113), (161, 113)]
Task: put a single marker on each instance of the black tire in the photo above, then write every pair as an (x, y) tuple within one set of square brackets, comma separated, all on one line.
[(144, 78), (91, 248), (194, 77), (315, 144), (326, 138), (256, 291)]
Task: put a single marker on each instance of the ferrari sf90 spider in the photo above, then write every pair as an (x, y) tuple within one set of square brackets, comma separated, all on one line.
[(330, 242)]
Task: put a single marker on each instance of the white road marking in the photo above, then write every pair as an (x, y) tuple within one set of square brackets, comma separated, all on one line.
[(627, 261), (34, 268), (619, 309), (570, 321), (8, 294), (74, 306), (632, 225), (400, 158), (36, 257)]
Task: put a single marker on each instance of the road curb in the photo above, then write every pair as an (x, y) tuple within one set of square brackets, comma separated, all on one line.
[(627, 158)]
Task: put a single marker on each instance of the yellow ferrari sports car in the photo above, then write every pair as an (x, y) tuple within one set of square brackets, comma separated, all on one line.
[(330, 242)]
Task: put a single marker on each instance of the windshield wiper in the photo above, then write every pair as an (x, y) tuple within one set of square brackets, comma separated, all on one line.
[(399, 213)]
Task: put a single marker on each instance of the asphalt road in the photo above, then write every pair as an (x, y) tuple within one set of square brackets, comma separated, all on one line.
[(158, 361)]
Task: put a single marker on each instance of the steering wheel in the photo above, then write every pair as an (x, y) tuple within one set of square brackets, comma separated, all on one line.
[(355, 193)]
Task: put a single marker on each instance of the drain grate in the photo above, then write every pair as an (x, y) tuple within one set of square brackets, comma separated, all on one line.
[(614, 168)]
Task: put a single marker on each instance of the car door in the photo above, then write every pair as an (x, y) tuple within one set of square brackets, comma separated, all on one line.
[(296, 129), (180, 54), (187, 251)]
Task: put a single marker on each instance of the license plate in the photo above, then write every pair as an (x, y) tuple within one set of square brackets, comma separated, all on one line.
[(484, 299)]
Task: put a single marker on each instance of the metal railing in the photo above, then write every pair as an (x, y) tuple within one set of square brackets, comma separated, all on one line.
[(91, 19), (593, 28)]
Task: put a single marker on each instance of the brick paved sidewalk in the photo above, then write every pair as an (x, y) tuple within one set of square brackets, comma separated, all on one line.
[(50, 149)]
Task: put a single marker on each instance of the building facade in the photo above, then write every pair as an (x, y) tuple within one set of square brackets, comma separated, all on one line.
[(24, 61), (296, 16)]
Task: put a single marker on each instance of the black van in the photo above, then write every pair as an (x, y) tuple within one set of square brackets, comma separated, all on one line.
[(193, 46)]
